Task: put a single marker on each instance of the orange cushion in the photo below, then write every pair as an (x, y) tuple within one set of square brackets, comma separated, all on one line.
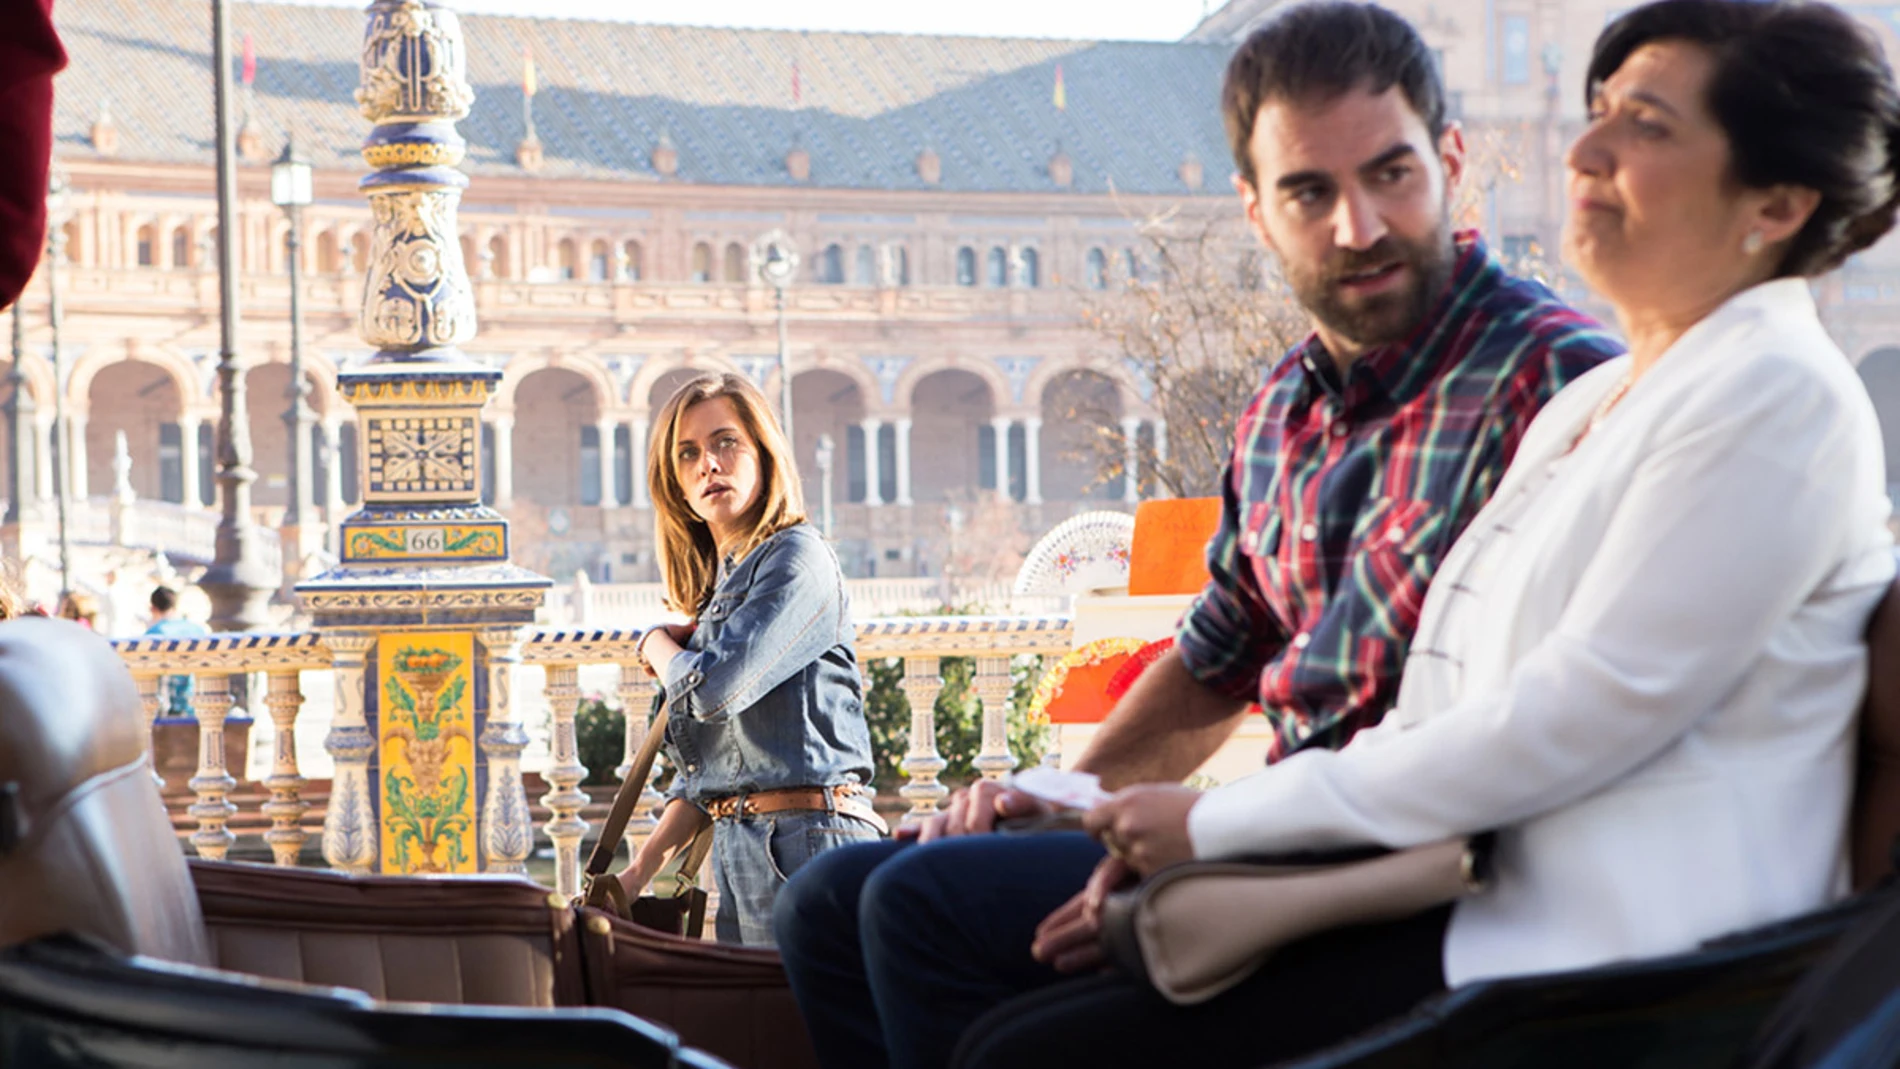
[(1170, 551)]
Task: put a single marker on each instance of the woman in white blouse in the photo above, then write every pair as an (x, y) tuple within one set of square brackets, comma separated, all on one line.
[(1641, 663)]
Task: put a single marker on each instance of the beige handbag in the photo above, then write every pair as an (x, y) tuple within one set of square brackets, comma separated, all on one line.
[(1195, 930)]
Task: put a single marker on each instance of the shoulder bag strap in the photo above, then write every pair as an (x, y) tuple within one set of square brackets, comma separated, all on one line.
[(628, 797)]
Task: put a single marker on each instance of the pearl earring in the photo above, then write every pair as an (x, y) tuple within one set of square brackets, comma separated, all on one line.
[(1752, 243)]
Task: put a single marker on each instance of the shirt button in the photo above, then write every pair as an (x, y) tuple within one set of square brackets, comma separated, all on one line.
[(1309, 532), (1340, 429), (1300, 640), (692, 768), (1396, 534)]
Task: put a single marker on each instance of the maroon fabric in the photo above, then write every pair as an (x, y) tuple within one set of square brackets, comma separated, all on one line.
[(30, 54)]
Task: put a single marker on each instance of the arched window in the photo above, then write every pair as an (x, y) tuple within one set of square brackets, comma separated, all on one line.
[(599, 263), (1131, 266), (735, 262), (966, 266), (326, 253), (569, 261), (998, 267), (148, 246), (181, 247), (469, 263), (1030, 262), (1095, 272), (831, 265), (632, 261), (900, 265), (864, 272), (497, 256), (71, 245), (702, 262)]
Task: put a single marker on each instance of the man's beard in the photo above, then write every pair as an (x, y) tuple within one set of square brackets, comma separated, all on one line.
[(1383, 318)]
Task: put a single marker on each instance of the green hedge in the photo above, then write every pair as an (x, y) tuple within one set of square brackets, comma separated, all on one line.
[(601, 728)]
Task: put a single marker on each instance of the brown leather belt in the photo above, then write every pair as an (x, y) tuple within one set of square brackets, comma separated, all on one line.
[(844, 799)]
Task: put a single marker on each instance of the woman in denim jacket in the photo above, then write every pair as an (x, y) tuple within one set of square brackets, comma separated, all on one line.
[(765, 729)]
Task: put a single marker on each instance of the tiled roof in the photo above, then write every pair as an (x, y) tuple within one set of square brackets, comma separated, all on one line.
[(871, 102)]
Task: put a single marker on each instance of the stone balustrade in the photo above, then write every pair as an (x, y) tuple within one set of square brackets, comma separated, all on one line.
[(920, 642)]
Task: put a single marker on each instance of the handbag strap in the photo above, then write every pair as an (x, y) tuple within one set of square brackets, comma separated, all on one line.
[(628, 796)]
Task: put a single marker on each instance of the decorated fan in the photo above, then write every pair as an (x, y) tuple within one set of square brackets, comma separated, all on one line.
[(1075, 690), (1083, 554)]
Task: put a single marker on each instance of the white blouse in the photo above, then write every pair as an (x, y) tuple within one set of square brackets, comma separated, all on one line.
[(1640, 664)]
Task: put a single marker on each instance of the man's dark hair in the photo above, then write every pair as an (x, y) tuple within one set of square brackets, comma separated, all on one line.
[(1805, 98), (1318, 51), (164, 599)]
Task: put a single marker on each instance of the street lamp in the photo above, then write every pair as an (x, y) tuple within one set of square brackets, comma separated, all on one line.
[(239, 582), (824, 481), (290, 190), (63, 470), (777, 261)]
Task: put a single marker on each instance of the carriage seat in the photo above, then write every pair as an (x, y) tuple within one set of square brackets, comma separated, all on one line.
[(85, 845), (1876, 834)]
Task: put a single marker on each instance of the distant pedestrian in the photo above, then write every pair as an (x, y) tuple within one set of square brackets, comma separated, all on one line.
[(174, 691)]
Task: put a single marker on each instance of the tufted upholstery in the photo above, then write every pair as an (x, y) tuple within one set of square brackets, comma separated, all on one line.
[(488, 940), (1877, 788), (84, 842)]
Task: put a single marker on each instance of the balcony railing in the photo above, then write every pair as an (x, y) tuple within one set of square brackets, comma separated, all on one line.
[(179, 291), (920, 642)]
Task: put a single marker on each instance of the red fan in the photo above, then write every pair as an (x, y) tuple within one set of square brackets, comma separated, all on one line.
[(1136, 664)]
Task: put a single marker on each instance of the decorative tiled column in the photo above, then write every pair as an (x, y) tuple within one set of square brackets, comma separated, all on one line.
[(424, 565)]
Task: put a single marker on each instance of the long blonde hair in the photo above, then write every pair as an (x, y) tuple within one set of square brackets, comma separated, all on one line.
[(689, 558)]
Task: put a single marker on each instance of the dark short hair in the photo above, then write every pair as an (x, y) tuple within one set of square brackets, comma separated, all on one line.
[(1319, 51), (1805, 98), (164, 599)]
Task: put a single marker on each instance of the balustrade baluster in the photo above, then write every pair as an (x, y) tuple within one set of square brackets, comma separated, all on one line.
[(350, 838), (992, 685), (212, 703), (285, 809), (923, 681), (148, 702), (508, 829), (565, 799), (636, 700)]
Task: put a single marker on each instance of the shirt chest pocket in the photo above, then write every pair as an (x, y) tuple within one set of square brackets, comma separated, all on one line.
[(1260, 541), (712, 618), (1397, 544)]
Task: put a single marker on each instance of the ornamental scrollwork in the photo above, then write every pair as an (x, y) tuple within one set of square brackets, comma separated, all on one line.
[(418, 293), (413, 65)]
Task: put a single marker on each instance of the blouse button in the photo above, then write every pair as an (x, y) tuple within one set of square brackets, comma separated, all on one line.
[(1309, 532)]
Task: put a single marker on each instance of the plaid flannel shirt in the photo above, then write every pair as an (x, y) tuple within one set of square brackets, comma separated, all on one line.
[(1341, 497)]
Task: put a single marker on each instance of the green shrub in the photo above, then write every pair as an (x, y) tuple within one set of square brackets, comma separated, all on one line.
[(600, 732)]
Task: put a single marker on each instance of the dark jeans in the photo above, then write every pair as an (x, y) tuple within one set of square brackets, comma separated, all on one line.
[(1308, 996), (893, 949)]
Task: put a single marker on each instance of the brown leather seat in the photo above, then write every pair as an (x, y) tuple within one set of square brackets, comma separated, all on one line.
[(478, 940), (1877, 787), (85, 845)]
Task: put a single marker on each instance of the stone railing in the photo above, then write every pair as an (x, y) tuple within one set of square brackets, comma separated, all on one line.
[(920, 642), (584, 603)]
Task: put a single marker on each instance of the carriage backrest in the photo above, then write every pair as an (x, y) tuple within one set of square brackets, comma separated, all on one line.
[(1877, 790), (85, 845)]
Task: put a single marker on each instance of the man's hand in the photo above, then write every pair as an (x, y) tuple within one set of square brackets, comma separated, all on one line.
[(975, 810), (1070, 939), (1145, 826)]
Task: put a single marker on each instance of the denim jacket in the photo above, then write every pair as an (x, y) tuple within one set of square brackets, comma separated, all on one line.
[(767, 692)]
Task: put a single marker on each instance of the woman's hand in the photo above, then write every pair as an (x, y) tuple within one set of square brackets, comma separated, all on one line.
[(1145, 826), (1070, 939), (661, 644)]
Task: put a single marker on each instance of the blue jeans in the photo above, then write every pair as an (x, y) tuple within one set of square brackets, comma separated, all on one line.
[(752, 859), (893, 949)]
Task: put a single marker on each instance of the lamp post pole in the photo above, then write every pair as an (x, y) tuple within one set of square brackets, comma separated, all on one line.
[(290, 190), (20, 441), (238, 582), (55, 313), (776, 260)]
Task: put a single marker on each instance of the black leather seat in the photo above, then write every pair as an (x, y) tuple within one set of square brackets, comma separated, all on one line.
[(1707, 1007)]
